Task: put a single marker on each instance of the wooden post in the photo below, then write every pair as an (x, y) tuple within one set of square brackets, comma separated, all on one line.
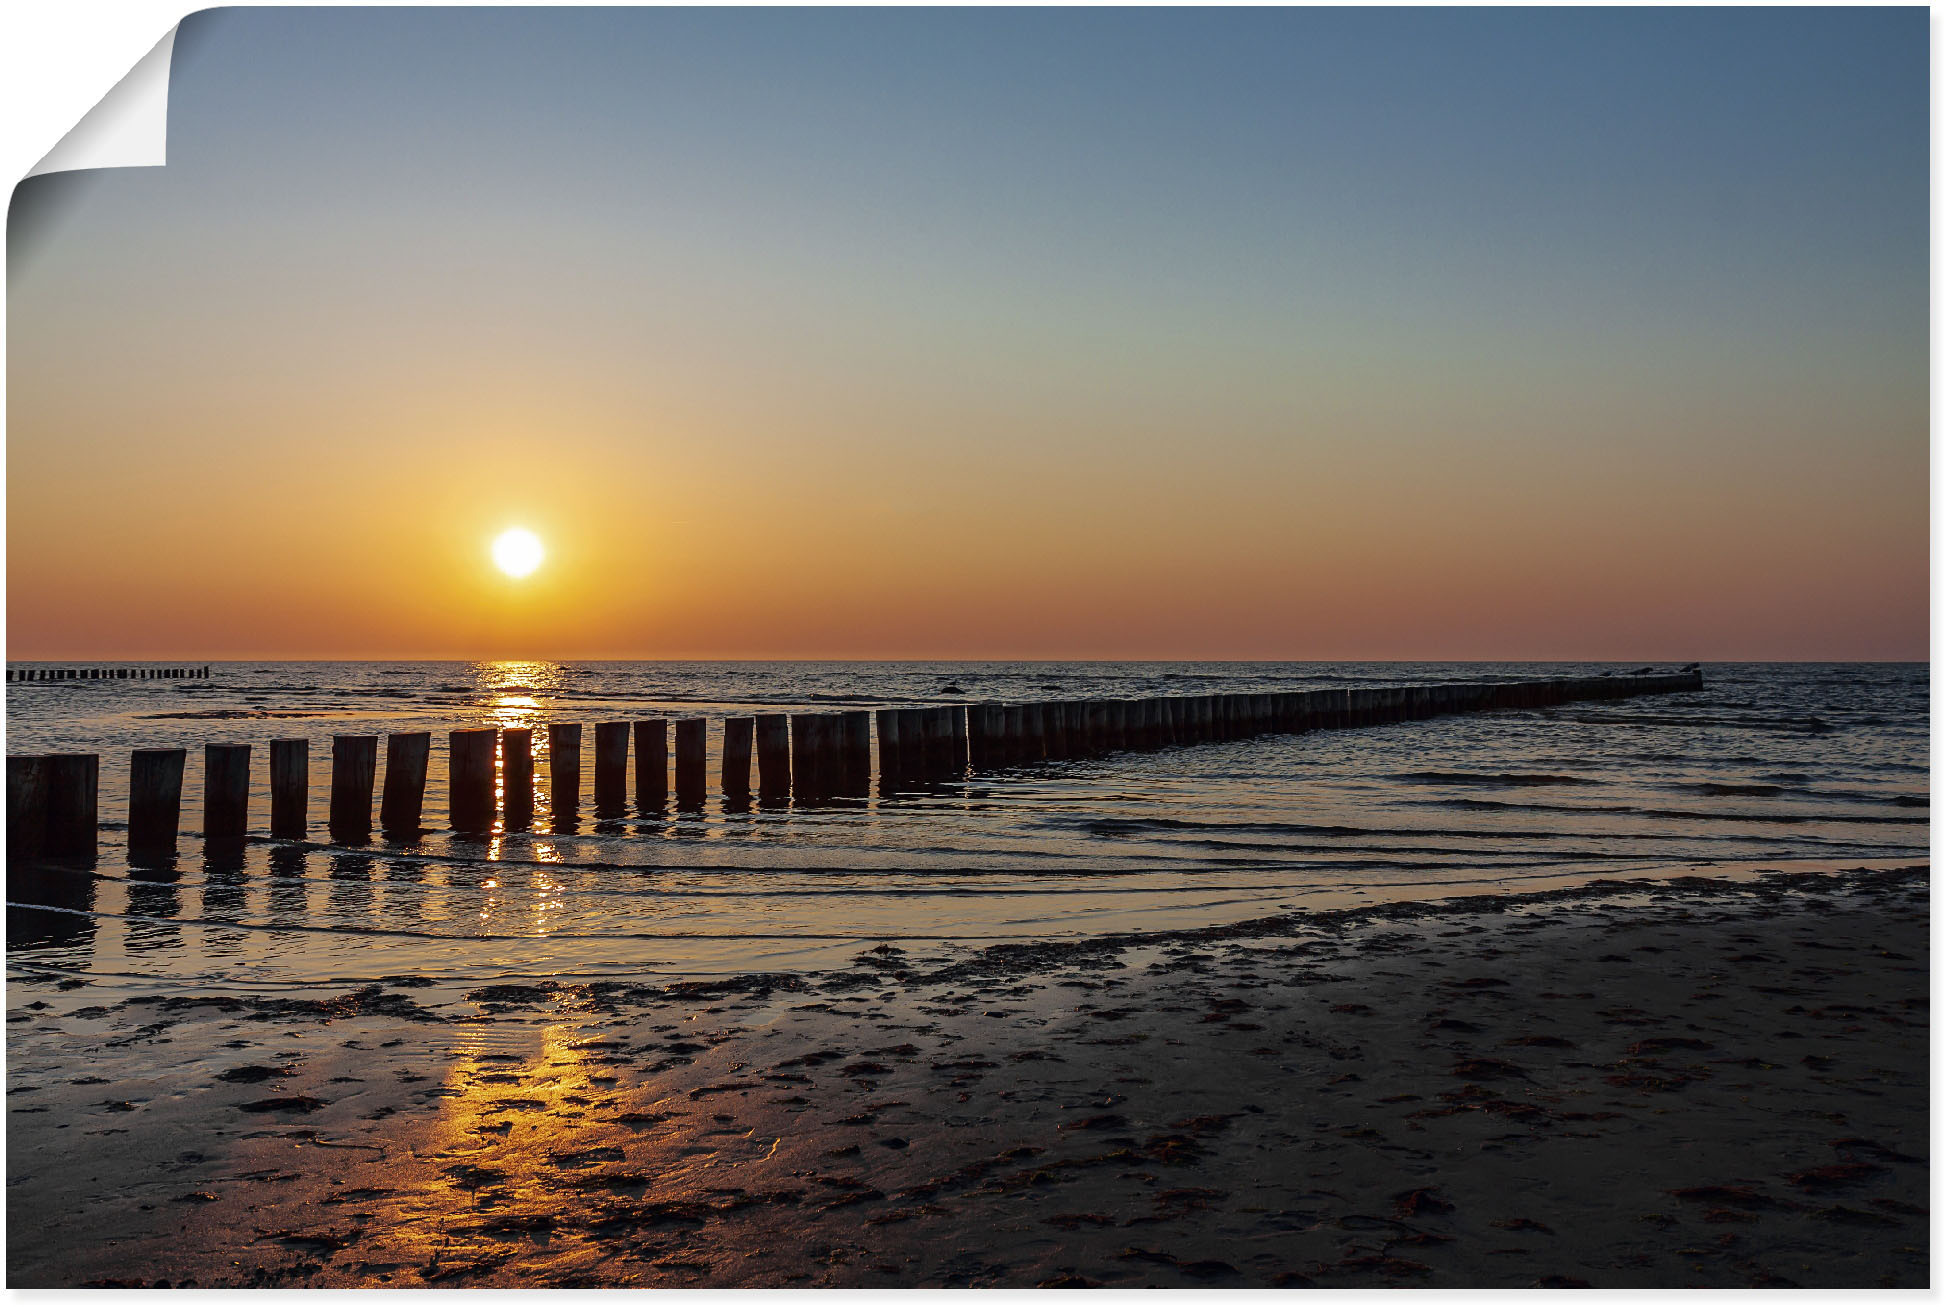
[(999, 743), (805, 779), (933, 749), (26, 806), (1003, 725), (564, 767), (516, 780), (1013, 733), (290, 788), (773, 755), (915, 761), (402, 807), (611, 767), (738, 734), (989, 734), (469, 779), (889, 762), (855, 735), (837, 773), (651, 765), (1024, 732), (1087, 726), (354, 766), (154, 799), (692, 760), (226, 791)]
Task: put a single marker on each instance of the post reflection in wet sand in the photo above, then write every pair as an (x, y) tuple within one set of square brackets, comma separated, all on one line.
[(66, 885)]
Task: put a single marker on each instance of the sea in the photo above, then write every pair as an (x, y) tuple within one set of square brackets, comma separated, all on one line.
[(1769, 767)]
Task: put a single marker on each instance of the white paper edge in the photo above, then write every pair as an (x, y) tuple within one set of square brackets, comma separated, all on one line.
[(129, 128)]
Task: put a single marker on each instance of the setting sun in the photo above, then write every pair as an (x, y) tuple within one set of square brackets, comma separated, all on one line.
[(518, 551)]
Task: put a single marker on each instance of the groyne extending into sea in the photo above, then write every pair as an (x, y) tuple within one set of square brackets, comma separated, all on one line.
[(53, 799)]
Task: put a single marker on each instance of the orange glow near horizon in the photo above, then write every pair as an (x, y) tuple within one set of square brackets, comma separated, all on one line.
[(1147, 562), (818, 548)]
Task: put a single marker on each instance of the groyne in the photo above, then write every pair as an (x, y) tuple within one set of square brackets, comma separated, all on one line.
[(48, 675), (801, 758)]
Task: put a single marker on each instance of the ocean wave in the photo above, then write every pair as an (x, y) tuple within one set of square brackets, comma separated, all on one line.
[(1489, 778), (1678, 814)]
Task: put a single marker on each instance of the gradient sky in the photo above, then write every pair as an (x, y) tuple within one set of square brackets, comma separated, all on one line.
[(989, 333)]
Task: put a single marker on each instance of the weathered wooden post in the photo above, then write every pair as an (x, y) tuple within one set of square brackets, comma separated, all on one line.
[(977, 744), (469, 779), (831, 743), (944, 759), (805, 777), (651, 765), (1054, 728), (226, 791), (773, 755), (998, 751), (611, 767), (290, 788), (26, 803), (692, 760), (917, 752), (738, 735), (564, 767), (402, 805), (855, 733), (1013, 733), (354, 766), (1086, 723), (889, 762), (154, 799), (516, 779), (1033, 732), (26, 806)]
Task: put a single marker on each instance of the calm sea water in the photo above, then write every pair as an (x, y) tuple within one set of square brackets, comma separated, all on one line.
[(1770, 766)]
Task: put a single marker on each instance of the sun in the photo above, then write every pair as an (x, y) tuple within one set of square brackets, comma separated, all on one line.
[(517, 551)]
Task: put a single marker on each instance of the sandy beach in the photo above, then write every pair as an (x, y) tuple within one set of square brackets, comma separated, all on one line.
[(1705, 1083)]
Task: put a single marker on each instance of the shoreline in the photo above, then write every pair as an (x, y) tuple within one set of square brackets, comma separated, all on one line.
[(602, 956), (1274, 1102)]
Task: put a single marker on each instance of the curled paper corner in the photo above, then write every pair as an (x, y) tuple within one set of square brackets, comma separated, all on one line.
[(129, 128)]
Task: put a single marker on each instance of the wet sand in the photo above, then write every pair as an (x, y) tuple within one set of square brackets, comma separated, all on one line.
[(1709, 1083)]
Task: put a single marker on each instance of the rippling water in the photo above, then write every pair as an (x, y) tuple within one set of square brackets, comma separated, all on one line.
[(1770, 765)]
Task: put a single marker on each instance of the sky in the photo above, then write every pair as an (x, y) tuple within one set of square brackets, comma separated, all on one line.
[(1003, 333)]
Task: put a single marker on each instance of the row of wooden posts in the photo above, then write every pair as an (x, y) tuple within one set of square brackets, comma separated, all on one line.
[(24, 674), (52, 798)]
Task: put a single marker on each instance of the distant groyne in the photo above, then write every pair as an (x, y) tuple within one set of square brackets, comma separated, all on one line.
[(797, 758), (38, 675)]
